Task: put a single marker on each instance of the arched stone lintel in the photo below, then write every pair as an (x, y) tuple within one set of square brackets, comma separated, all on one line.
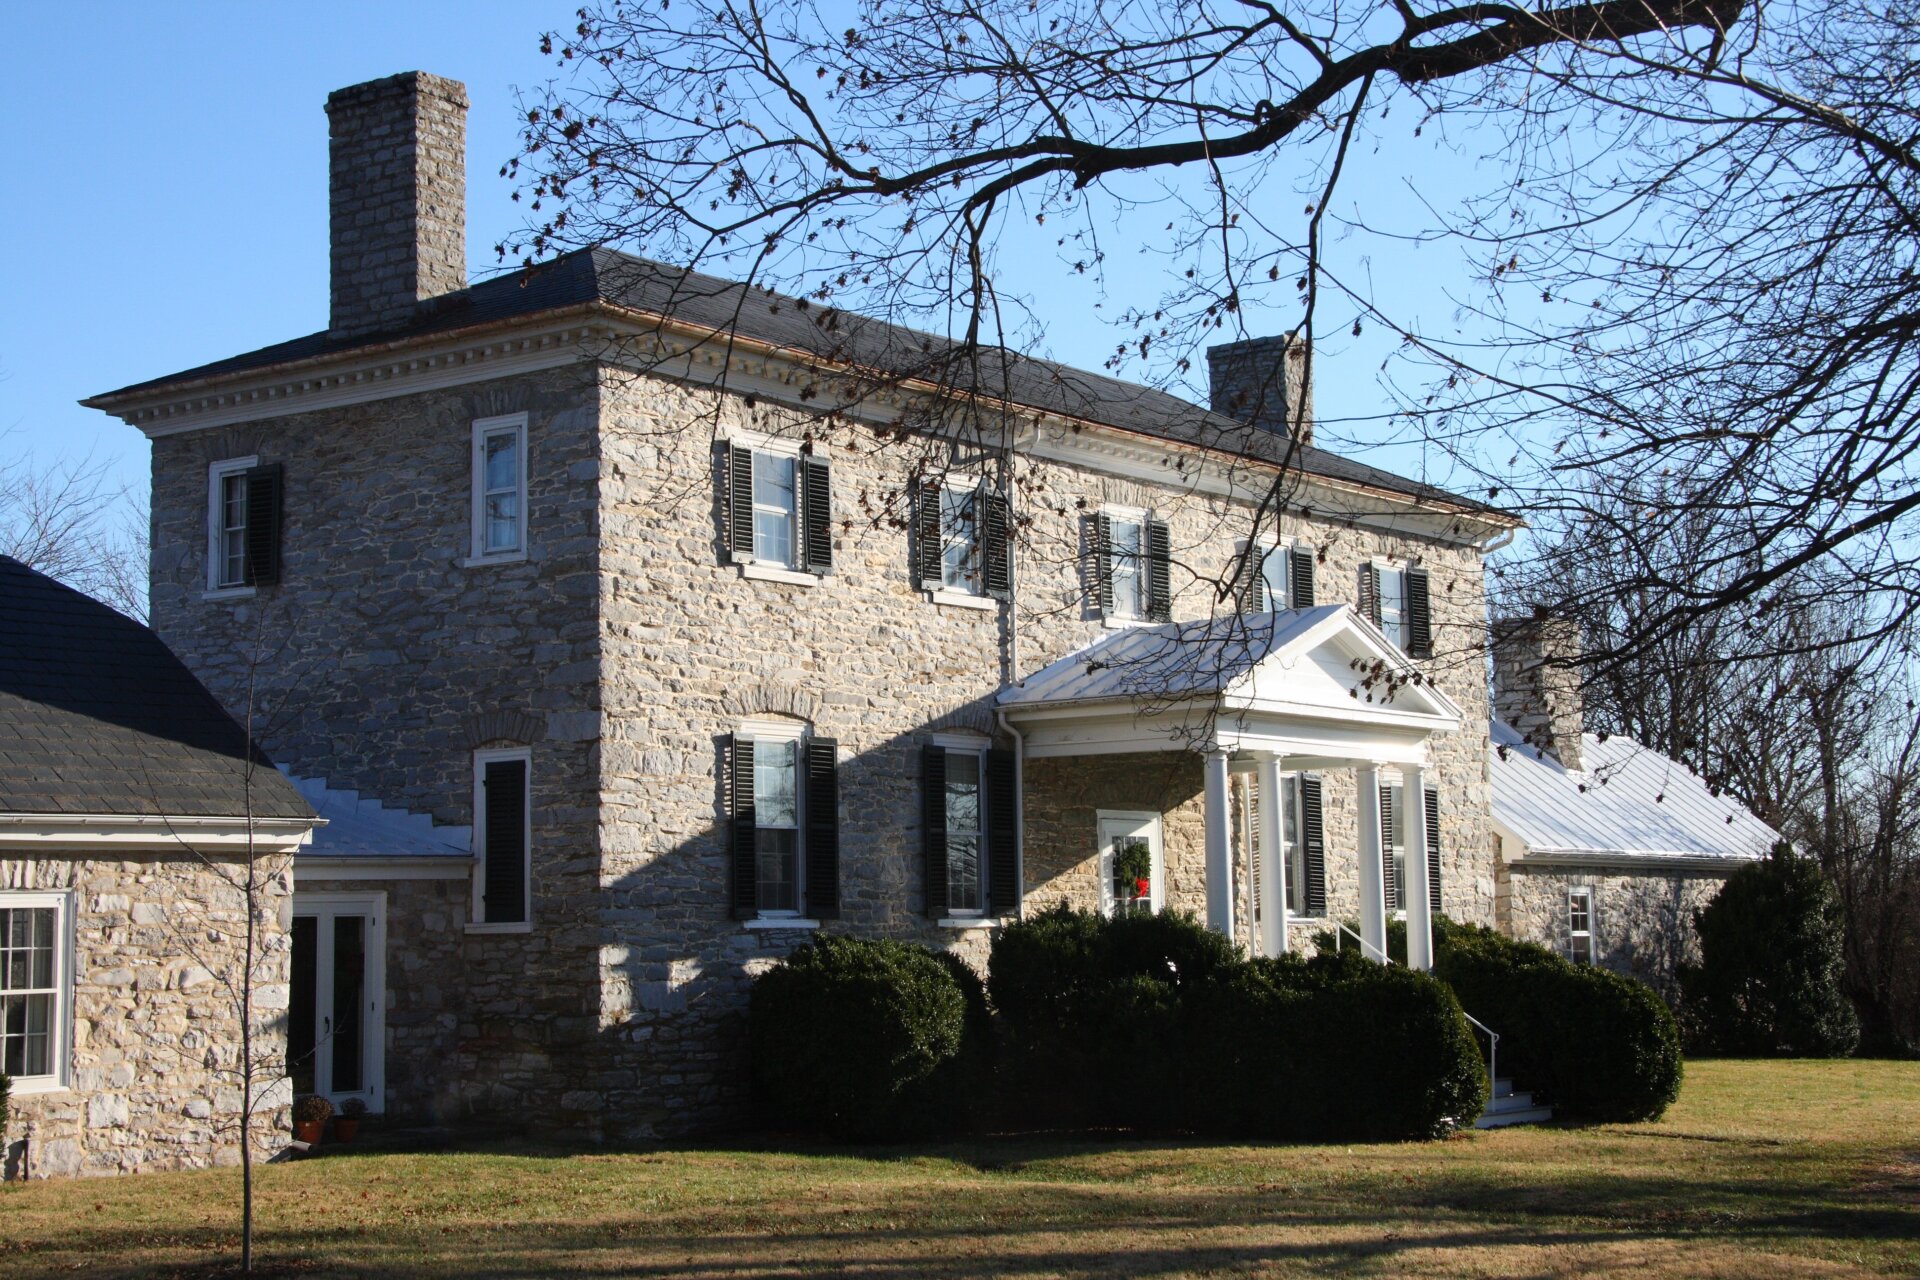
[(502, 726)]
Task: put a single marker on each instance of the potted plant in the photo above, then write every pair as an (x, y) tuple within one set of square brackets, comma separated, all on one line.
[(310, 1112), (346, 1125)]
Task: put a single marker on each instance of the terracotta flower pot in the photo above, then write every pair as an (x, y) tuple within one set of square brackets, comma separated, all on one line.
[(346, 1128), (309, 1131)]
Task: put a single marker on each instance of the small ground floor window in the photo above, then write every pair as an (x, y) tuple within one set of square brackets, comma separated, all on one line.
[(1132, 864), (1580, 925), (35, 988)]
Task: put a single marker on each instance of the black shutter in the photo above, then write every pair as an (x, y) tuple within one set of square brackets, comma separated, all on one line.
[(1253, 584), (503, 884), (1433, 849), (263, 525), (739, 468), (1003, 837), (1103, 561), (816, 514), (1370, 593), (1159, 573), (933, 787), (1313, 839), (1389, 887), (1419, 615), (996, 544), (926, 532), (744, 889), (823, 828), (1300, 577)]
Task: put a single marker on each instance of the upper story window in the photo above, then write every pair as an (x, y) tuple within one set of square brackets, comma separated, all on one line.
[(962, 531), (35, 989), (784, 801), (1278, 577), (1580, 925), (1397, 599), (243, 524), (1134, 558), (503, 836), (500, 487), (779, 507)]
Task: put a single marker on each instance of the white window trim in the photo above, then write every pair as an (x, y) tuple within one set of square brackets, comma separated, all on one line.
[(962, 600), (476, 923), (975, 487), (971, 744), (217, 472), (60, 1079), (785, 447), (477, 552), (1142, 516), (1399, 566), (769, 571), (796, 732), (1270, 546), (1592, 920), (760, 442)]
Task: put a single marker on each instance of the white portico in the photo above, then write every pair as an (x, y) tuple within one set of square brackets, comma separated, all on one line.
[(1302, 689)]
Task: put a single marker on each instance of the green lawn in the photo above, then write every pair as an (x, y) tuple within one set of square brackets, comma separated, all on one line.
[(1762, 1169)]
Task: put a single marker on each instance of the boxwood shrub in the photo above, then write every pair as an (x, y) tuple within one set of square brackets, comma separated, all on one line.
[(1596, 1044), (1334, 1048), (865, 1039)]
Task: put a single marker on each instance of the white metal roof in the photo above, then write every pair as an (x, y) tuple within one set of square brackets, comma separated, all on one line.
[(1628, 802)]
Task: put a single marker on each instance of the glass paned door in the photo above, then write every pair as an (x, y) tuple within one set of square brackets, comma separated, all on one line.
[(1132, 870), (336, 1026)]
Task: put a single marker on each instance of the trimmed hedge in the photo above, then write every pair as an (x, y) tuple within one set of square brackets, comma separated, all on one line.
[(1092, 1010), (866, 1039), (1594, 1043), (1333, 1048)]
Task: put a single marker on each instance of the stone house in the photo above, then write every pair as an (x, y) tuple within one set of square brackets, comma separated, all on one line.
[(131, 804), (1604, 848), (650, 666)]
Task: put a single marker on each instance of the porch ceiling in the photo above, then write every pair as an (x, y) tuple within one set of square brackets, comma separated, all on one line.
[(1319, 686)]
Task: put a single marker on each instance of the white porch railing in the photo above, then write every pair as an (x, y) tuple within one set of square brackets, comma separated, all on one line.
[(1372, 952)]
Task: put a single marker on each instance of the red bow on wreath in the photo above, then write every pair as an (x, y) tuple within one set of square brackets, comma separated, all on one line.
[(1141, 888)]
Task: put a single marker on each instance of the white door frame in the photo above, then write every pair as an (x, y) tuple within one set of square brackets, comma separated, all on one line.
[(373, 906), (1129, 822)]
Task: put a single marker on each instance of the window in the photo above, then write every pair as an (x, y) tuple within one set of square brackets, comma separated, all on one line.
[(1302, 842), (34, 989), (784, 793), (972, 861), (1393, 826), (1133, 561), (502, 837), (1273, 593), (779, 508), (1580, 925), (960, 540), (243, 525), (1397, 599), (500, 487), (1393, 605), (966, 886)]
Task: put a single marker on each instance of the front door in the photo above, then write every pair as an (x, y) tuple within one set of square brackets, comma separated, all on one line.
[(1133, 871), (336, 1026)]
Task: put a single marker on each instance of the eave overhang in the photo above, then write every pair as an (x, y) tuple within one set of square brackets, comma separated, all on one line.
[(156, 833)]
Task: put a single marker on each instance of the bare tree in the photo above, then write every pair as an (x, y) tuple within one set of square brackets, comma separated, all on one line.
[(70, 522)]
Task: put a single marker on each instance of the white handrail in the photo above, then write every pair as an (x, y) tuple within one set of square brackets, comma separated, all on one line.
[(1493, 1037)]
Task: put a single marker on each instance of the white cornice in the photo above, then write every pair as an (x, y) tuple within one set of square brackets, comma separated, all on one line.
[(156, 833)]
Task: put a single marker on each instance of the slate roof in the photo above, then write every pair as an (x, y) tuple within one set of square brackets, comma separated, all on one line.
[(97, 716), (725, 307), (1628, 800)]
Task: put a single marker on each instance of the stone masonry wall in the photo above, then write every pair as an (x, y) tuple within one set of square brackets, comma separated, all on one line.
[(385, 661), (156, 1034), (691, 646), (1642, 926)]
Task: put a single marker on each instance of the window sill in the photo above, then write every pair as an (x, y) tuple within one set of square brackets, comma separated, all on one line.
[(1114, 622), (38, 1086), (517, 926), (963, 599), (503, 557), (771, 573), (763, 923), (969, 922), (230, 593)]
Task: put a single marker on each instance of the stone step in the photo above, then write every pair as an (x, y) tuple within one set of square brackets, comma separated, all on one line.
[(1510, 1102), (1502, 1119)]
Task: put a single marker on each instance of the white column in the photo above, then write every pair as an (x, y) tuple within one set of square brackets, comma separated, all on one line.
[(1273, 861), (1419, 910), (1219, 846), (1373, 901)]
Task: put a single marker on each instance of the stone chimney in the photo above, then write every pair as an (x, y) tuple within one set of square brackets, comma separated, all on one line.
[(398, 151), (1536, 683), (1263, 382)]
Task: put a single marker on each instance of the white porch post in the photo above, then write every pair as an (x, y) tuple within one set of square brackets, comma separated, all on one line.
[(1419, 907), (1273, 863), (1373, 901), (1219, 847)]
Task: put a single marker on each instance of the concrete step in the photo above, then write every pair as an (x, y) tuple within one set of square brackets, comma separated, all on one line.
[(1511, 1102), (1502, 1119), (1502, 1087)]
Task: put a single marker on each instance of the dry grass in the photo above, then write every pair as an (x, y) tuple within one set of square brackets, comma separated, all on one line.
[(1762, 1169)]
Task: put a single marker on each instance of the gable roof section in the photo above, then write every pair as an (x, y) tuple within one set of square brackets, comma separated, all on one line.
[(98, 717), (1299, 661), (1629, 803), (724, 308)]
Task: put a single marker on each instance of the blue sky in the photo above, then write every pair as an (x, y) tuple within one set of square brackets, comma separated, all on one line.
[(168, 189)]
